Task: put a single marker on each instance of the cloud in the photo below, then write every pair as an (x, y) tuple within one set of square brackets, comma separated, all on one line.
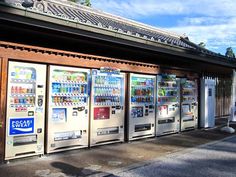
[(212, 22), (139, 8), (217, 36)]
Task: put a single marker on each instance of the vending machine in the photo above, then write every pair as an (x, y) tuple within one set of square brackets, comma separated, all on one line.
[(25, 110), (141, 122), (168, 102), (107, 106), (189, 104), (208, 101), (68, 108)]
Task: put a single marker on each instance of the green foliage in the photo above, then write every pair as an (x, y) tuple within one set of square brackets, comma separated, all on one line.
[(230, 53), (83, 2), (202, 44), (87, 3)]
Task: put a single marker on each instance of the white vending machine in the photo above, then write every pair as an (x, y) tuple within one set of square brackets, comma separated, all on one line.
[(208, 102), (168, 103), (25, 110), (107, 106), (141, 122), (189, 104), (68, 108)]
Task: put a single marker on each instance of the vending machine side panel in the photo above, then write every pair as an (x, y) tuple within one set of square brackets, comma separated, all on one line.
[(25, 110), (3, 95), (68, 108), (207, 118), (141, 122)]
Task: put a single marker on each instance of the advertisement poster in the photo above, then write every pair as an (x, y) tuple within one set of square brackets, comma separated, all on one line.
[(186, 109), (21, 126), (59, 115), (101, 113)]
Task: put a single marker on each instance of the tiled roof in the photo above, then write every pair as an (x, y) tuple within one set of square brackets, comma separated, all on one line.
[(89, 16)]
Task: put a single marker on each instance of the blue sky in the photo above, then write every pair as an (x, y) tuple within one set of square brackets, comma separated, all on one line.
[(210, 21)]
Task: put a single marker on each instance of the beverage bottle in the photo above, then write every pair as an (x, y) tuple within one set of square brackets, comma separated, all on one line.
[(20, 89), (16, 73), (98, 79), (74, 88), (78, 89), (12, 89), (66, 88), (15, 100), (85, 89), (60, 88), (53, 88), (33, 75), (70, 88)]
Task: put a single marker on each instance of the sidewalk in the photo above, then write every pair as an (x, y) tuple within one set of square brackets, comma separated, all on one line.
[(215, 159), (106, 159)]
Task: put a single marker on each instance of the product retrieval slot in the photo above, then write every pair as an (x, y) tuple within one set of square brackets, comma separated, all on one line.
[(24, 140), (188, 118), (107, 131), (143, 127), (61, 136), (167, 120)]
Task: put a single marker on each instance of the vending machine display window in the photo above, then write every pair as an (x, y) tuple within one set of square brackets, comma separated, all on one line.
[(69, 87), (142, 90), (23, 86)]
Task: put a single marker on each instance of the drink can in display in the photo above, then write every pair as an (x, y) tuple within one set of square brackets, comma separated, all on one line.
[(82, 89)]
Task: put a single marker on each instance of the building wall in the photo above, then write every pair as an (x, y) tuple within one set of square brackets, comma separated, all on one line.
[(26, 53), (223, 97)]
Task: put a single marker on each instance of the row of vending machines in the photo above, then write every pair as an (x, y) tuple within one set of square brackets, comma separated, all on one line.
[(62, 108)]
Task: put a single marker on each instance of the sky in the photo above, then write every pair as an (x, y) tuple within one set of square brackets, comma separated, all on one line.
[(210, 21)]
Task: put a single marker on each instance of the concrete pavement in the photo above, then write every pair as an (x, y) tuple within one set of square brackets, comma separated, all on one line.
[(214, 160), (111, 159)]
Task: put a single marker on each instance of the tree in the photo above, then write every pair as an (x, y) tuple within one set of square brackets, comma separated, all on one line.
[(87, 3), (230, 53), (202, 44), (83, 2)]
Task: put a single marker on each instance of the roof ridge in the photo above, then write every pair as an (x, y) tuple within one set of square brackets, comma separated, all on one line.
[(118, 18)]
